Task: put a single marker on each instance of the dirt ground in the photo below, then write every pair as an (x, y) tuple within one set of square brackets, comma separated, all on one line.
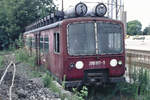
[(25, 86)]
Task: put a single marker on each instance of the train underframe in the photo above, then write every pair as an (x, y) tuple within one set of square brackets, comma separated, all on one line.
[(95, 77)]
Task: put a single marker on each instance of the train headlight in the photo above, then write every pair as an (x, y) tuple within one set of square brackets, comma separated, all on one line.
[(113, 62), (80, 9), (79, 65), (101, 9), (120, 62)]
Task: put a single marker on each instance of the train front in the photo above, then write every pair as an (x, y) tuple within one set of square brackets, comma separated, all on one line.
[(94, 51)]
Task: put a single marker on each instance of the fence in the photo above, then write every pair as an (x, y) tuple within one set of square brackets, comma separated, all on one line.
[(139, 58), (136, 60)]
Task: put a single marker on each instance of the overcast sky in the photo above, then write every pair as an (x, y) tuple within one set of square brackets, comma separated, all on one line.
[(136, 9)]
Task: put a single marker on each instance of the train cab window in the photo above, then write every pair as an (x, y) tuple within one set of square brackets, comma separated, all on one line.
[(56, 43), (110, 38), (46, 44)]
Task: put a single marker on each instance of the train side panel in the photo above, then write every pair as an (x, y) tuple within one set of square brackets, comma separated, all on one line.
[(53, 59)]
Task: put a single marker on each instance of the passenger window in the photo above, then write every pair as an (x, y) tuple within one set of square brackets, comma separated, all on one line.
[(46, 44), (28, 42), (41, 43), (56, 43), (33, 43)]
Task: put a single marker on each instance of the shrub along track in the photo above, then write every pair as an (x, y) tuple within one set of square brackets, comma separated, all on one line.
[(25, 86)]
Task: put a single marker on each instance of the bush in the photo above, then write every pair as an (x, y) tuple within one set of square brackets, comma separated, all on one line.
[(47, 80), (80, 95), (139, 87)]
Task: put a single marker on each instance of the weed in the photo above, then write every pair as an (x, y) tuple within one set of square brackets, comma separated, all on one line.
[(47, 79), (82, 94), (139, 86), (1, 61), (22, 55), (48, 82), (63, 83)]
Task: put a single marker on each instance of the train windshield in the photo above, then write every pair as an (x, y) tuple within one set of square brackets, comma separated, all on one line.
[(91, 38)]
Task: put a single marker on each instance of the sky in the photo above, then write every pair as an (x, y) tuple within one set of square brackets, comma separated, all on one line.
[(136, 9), (139, 10)]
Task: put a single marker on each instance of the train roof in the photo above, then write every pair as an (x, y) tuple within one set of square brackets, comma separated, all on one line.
[(55, 24), (77, 13)]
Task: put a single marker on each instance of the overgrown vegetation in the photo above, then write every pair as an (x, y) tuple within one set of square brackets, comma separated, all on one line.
[(82, 94), (138, 87), (15, 15), (77, 95), (22, 55), (1, 61), (48, 82)]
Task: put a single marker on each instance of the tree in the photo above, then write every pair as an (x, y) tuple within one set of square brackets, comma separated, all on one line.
[(146, 31), (134, 27), (15, 15)]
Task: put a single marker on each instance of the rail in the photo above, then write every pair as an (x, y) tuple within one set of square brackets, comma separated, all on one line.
[(13, 78)]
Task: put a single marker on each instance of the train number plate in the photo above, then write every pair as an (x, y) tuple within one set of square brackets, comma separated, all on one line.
[(95, 63)]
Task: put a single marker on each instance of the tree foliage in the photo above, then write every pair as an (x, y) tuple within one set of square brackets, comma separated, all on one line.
[(134, 27), (16, 14), (146, 31)]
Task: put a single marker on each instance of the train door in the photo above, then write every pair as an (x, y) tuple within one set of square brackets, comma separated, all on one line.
[(44, 48)]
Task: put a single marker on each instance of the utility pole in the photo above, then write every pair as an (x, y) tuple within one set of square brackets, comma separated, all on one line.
[(112, 6), (116, 9), (62, 6)]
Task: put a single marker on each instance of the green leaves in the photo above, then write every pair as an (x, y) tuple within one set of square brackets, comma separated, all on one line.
[(146, 31), (134, 27), (15, 15)]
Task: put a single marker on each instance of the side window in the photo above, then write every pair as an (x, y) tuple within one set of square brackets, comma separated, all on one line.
[(33, 42), (56, 43), (41, 43), (46, 44), (28, 42)]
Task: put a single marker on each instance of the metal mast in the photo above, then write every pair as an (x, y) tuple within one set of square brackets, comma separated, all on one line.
[(115, 8)]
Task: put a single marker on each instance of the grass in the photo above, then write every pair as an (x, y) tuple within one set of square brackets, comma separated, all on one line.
[(22, 55), (77, 95), (137, 89), (48, 82), (139, 86), (80, 95), (1, 61)]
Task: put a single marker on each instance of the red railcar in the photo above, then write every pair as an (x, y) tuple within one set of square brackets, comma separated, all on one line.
[(86, 50)]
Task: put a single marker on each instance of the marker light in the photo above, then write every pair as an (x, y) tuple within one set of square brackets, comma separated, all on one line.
[(100, 9), (79, 65), (113, 62), (120, 62)]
